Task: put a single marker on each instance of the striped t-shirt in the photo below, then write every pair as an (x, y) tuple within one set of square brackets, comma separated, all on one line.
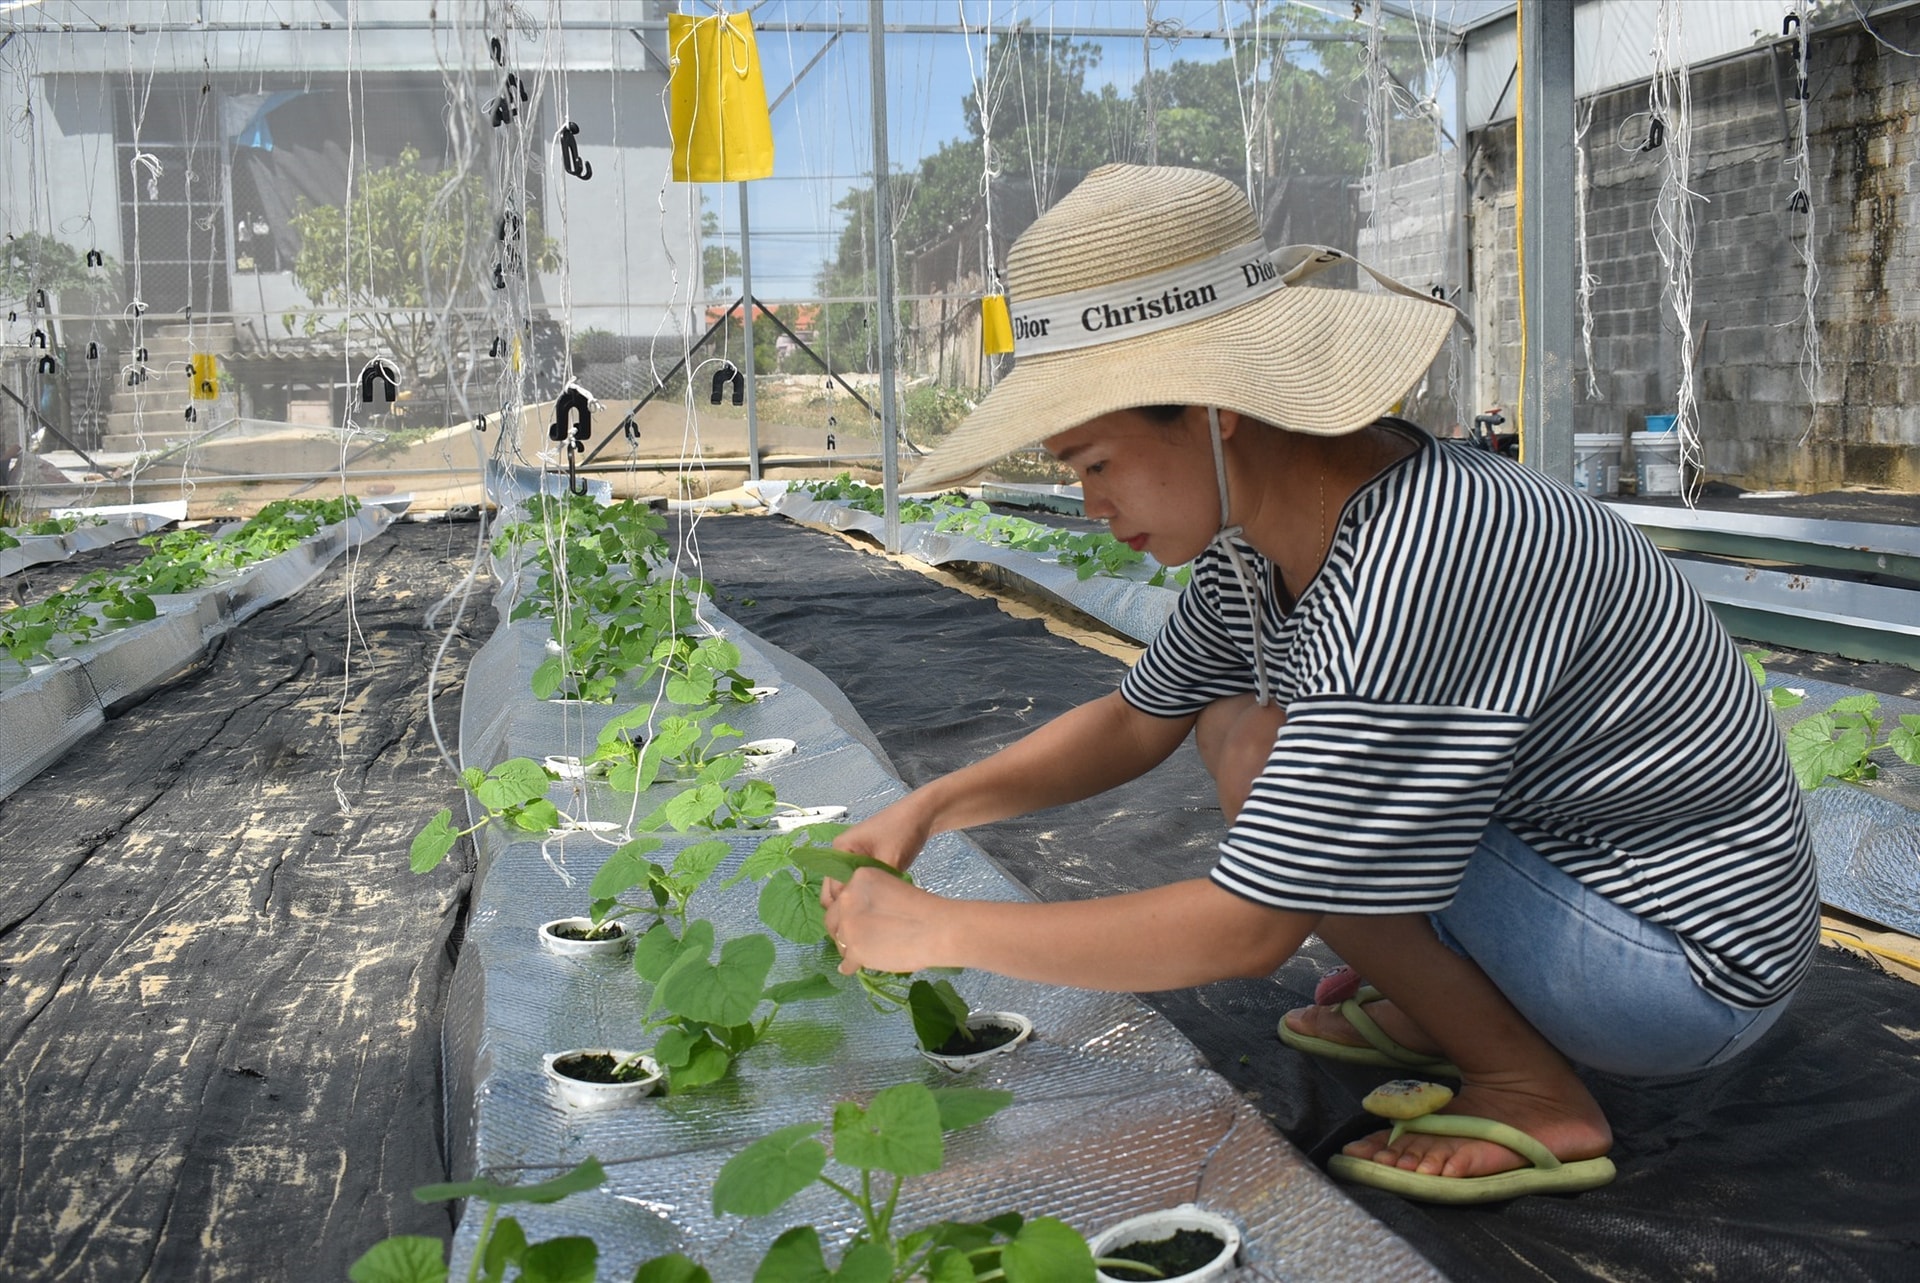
[(1483, 643)]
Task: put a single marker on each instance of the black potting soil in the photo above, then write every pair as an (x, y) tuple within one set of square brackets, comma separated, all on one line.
[(219, 990), (605, 931), (1181, 1252), (598, 1067), (1798, 1160), (976, 1038)]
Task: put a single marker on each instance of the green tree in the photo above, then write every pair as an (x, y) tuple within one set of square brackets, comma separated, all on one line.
[(411, 261), (35, 261)]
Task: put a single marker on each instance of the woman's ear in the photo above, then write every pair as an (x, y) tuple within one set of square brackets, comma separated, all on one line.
[(1229, 421)]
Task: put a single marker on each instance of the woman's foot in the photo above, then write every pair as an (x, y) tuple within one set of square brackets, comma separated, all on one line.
[(1571, 1128), (1327, 1022), (1558, 1111)]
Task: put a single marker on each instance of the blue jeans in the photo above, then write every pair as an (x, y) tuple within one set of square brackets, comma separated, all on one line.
[(1608, 988)]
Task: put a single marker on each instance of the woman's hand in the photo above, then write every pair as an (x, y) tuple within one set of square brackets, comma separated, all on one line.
[(893, 836), (883, 924)]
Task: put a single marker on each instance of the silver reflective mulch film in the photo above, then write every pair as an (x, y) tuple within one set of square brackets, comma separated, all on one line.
[(39, 550), (1114, 1112)]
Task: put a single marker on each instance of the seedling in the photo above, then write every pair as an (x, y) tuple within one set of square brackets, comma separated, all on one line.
[(513, 793), (1839, 743), (502, 1245), (898, 1134)]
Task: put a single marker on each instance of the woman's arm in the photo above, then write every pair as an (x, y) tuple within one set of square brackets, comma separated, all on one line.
[(1084, 751), (1170, 937)]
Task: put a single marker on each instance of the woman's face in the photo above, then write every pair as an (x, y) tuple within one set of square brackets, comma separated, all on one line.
[(1152, 482)]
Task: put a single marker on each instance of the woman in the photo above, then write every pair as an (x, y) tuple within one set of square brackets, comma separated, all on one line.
[(1483, 739)]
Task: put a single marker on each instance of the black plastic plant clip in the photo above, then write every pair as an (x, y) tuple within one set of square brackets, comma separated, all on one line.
[(504, 107), (576, 484), (1656, 134), (630, 429), (140, 355), (499, 277), (40, 339), (480, 423), (96, 259), (495, 349), (48, 365), (720, 379), (193, 415), (509, 226), (382, 370), (829, 442), (93, 351), (572, 418), (499, 53), (570, 153), (1798, 202), (739, 387), (40, 300)]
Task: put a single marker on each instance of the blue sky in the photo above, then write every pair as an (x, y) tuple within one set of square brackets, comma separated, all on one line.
[(823, 139)]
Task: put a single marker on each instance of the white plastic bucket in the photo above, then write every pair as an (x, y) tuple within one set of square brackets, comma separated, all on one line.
[(1656, 463), (1596, 463)]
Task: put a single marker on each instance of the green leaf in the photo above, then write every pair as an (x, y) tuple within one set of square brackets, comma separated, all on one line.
[(671, 1269), (1818, 748), (795, 1257), (472, 777), (547, 678), (690, 690), (1047, 1251), (722, 994), (898, 1132), (1862, 703), (767, 858), (1752, 661), (405, 1258), (805, 989), (514, 782), (949, 1266), (865, 1263), (694, 806), (588, 1175), (572, 1259), (697, 863), (964, 1106), (792, 908), (654, 952), (627, 868), (1905, 739), (938, 1012), (674, 1049), (753, 800), (433, 842), (824, 862), (539, 816), (763, 1176), (707, 1062), (505, 1246), (1781, 697)]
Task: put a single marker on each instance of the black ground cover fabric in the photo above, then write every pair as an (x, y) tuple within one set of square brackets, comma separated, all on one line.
[(219, 995), (1800, 1160)]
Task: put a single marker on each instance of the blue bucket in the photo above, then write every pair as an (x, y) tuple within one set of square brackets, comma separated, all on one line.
[(1661, 422)]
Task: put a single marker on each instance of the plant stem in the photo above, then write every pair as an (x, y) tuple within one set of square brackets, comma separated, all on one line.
[(480, 1246)]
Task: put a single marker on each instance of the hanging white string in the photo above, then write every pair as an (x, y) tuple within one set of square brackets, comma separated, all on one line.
[(1802, 202), (1670, 99), (1582, 199)]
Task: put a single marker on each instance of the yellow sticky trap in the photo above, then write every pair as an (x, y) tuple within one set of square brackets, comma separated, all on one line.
[(204, 371), (996, 325), (716, 100), (516, 354)]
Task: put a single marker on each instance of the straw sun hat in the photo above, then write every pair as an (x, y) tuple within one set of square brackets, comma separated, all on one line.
[(1153, 286)]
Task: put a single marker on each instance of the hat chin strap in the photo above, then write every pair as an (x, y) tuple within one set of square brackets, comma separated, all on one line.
[(1242, 572)]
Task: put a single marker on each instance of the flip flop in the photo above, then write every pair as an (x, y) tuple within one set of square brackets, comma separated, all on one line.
[(1548, 1175), (1382, 1049)]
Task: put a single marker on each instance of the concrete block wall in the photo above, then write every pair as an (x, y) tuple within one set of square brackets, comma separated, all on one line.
[(1759, 428)]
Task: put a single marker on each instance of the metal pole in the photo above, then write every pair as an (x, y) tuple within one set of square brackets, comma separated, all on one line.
[(1460, 271), (746, 319), (1546, 97), (883, 251)]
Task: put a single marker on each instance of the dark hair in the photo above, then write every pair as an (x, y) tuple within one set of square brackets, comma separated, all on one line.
[(1161, 413)]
